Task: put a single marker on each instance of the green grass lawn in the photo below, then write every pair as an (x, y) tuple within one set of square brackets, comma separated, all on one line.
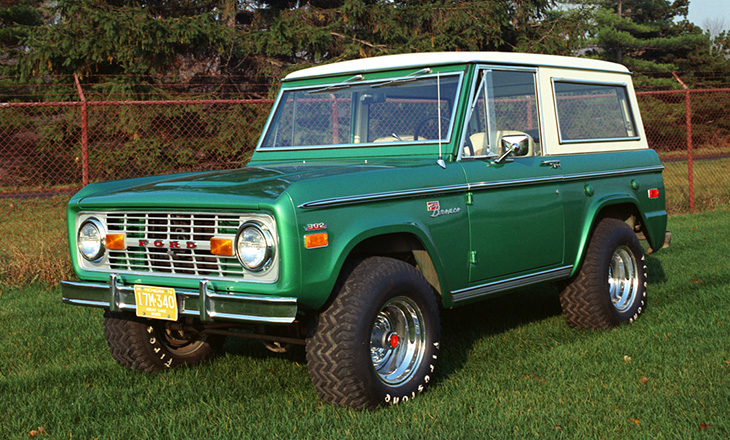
[(509, 368)]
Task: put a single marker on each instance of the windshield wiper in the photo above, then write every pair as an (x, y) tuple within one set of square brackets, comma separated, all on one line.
[(339, 86), (406, 79)]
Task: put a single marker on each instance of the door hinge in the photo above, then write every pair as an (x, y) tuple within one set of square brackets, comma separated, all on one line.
[(469, 198), (473, 257)]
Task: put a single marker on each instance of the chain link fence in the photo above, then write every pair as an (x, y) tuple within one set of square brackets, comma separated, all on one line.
[(57, 147), (52, 147), (690, 129)]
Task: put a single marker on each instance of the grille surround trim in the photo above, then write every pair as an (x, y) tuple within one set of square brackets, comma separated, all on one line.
[(177, 244)]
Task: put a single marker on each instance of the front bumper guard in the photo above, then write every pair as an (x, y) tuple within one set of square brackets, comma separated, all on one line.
[(205, 304)]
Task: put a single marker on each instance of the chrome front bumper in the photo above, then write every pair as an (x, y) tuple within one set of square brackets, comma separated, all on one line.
[(205, 303)]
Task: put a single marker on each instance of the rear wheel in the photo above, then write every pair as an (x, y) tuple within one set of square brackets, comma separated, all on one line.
[(610, 288), (378, 342), (153, 345)]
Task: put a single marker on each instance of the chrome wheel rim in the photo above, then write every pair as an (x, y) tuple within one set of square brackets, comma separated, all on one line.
[(179, 341), (397, 341), (623, 279)]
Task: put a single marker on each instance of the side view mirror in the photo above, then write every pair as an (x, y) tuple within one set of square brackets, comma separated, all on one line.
[(517, 145)]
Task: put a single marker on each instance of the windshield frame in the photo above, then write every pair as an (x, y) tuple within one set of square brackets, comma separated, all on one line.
[(340, 83)]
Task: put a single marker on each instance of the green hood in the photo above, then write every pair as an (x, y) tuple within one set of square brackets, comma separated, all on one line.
[(245, 188)]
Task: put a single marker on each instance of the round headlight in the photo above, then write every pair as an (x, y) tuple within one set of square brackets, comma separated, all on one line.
[(90, 240), (255, 247)]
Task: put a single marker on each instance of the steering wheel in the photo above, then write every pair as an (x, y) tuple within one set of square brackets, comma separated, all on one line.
[(469, 145), (427, 123)]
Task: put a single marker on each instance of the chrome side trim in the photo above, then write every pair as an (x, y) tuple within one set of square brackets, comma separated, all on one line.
[(391, 195), (373, 197), (615, 173), (512, 283)]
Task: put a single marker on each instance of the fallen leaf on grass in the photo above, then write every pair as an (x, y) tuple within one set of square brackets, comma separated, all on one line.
[(696, 281), (644, 380), (627, 359), (533, 377), (36, 432), (704, 426), (634, 420)]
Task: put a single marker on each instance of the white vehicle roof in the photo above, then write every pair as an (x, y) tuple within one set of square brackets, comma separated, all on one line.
[(426, 59)]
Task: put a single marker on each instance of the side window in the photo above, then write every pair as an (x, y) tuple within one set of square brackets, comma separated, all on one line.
[(593, 112), (504, 104)]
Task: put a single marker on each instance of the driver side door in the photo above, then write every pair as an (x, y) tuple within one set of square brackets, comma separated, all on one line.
[(515, 202)]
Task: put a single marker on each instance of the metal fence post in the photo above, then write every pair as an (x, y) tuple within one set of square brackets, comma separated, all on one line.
[(84, 134), (688, 122)]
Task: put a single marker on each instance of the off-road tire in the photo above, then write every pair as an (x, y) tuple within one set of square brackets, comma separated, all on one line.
[(151, 346), (610, 287), (352, 356)]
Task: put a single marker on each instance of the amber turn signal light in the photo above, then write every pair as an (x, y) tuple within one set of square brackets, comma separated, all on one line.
[(314, 241), (221, 246), (115, 241)]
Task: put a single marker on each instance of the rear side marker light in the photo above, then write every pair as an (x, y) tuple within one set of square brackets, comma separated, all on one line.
[(654, 193), (313, 241), (221, 246), (115, 242)]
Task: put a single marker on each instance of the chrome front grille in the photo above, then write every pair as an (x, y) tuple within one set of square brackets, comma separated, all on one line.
[(176, 244), (189, 233)]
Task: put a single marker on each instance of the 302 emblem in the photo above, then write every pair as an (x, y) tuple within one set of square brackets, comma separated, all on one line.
[(315, 227)]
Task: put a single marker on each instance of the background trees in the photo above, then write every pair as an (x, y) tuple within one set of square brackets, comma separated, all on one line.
[(248, 41)]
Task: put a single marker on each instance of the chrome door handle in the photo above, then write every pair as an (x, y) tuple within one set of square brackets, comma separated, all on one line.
[(550, 163)]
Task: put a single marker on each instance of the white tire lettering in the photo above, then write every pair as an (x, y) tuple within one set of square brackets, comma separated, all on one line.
[(387, 398), (427, 379), (153, 341), (420, 388), (150, 329), (431, 368)]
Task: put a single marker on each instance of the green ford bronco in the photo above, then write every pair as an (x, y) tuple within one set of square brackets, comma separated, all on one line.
[(381, 191)]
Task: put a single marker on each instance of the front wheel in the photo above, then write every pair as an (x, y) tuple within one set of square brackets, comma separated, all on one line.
[(378, 342), (152, 346), (610, 288)]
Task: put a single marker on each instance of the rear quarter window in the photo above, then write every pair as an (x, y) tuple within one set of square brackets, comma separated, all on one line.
[(593, 112)]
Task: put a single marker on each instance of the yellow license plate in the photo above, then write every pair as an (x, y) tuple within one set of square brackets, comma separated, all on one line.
[(156, 302)]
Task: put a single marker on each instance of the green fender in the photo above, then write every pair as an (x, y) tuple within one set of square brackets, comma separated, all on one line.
[(593, 214)]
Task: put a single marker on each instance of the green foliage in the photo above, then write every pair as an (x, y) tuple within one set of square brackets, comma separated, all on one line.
[(651, 37), (263, 40), (16, 21), (92, 36)]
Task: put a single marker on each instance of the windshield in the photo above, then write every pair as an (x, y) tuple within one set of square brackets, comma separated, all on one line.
[(406, 109)]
